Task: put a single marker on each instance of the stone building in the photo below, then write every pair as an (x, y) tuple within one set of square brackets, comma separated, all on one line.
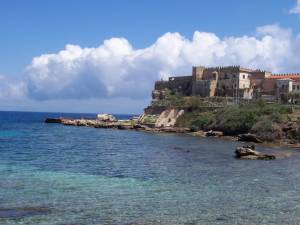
[(230, 81)]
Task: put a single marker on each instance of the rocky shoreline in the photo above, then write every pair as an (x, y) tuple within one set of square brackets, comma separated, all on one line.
[(134, 124), (119, 124)]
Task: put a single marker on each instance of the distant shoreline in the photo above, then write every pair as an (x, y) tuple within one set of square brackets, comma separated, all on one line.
[(132, 124)]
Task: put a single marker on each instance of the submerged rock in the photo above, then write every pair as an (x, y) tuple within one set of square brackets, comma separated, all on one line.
[(248, 152), (22, 212)]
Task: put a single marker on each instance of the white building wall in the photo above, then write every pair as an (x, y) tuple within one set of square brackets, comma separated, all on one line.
[(244, 80)]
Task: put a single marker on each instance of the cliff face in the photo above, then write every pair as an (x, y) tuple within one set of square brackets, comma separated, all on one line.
[(161, 118), (168, 118)]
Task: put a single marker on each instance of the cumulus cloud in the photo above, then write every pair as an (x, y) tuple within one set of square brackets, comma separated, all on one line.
[(12, 89), (115, 69), (296, 8)]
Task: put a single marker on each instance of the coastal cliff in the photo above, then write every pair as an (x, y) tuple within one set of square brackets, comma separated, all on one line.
[(256, 121), (253, 121)]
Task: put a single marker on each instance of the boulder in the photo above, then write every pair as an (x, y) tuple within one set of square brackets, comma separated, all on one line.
[(106, 118), (212, 133), (245, 152), (125, 127), (199, 133), (249, 138)]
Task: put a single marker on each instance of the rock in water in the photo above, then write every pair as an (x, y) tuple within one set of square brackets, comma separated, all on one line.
[(249, 153), (53, 120), (212, 133), (106, 118)]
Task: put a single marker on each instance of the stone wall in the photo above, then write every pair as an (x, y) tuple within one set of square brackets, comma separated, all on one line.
[(161, 85), (205, 88), (181, 84)]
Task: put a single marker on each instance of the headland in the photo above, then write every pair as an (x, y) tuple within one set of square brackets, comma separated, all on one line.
[(229, 102)]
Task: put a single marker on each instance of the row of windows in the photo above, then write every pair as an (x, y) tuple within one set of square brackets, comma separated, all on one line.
[(233, 76), (296, 86), (233, 86)]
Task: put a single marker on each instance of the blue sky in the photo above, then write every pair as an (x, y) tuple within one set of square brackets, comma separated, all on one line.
[(33, 28)]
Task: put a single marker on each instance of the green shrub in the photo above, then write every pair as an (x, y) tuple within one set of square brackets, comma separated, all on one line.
[(266, 129), (203, 121), (278, 118), (185, 120), (235, 120), (149, 119)]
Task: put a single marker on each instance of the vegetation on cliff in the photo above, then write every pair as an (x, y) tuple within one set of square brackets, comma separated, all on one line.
[(268, 121)]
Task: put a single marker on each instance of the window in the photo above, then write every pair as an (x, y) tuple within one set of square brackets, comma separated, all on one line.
[(298, 87), (243, 76), (294, 87)]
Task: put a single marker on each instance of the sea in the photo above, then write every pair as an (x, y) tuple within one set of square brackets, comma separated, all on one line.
[(64, 175)]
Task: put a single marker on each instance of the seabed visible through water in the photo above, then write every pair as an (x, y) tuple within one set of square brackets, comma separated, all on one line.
[(53, 174)]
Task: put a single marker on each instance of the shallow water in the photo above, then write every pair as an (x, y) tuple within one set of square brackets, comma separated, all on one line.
[(54, 174)]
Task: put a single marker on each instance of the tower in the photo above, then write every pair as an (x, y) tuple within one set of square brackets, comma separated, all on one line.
[(197, 73)]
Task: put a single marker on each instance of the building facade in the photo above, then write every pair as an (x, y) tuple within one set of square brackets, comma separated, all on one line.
[(230, 81)]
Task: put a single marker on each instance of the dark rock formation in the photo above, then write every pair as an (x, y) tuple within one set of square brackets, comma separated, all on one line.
[(53, 120), (212, 133), (245, 152), (249, 138)]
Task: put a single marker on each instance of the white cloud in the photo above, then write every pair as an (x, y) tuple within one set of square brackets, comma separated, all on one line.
[(12, 89), (115, 69), (296, 8)]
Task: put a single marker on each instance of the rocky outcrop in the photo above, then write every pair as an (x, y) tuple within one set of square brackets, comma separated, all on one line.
[(168, 117), (249, 138), (147, 119), (53, 120), (213, 133), (106, 118), (248, 152)]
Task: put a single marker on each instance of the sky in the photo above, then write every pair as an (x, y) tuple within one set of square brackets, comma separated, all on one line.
[(104, 56)]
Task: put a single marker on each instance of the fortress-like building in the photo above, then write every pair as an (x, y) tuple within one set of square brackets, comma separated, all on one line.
[(230, 81)]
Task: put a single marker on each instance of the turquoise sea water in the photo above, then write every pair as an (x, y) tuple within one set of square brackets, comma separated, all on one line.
[(54, 174)]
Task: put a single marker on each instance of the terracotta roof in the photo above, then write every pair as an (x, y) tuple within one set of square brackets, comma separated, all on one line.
[(287, 75)]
